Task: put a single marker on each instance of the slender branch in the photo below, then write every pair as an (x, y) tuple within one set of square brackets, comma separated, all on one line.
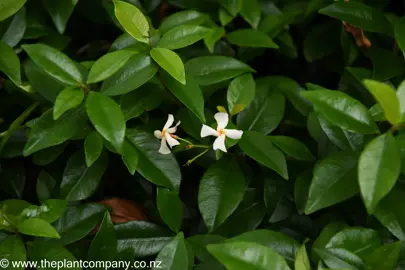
[(196, 157)]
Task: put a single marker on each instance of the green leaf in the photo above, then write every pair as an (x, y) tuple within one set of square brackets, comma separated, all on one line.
[(213, 69), (170, 208), (46, 132), (340, 258), (400, 33), (108, 65), (133, 21), (260, 148), (9, 63), (130, 157), (68, 99), (199, 243), (385, 257), (182, 36), (173, 255), (162, 170), (225, 17), (171, 62), (342, 110), (9, 7), (232, 6), (401, 97), (334, 180), (55, 63), (15, 31), (189, 94), (48, 155), (79, 181), (93, 147), (242, 255), (386, 64), (14, 175), (251, 12), (387, 98), (78, 221), (220, 192), (251, 38), (107, 118), (185, 17), (360, 15), (104, 245), (292, 147), (45, 186), (301, 189), (213, 37), (50, 210), (47, 251), (13, 250), (60, 12), (136, 72), (37, 227), (302, 260), (379, 168), (241, 92)]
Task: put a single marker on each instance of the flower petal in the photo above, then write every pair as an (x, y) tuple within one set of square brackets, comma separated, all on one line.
[(233, 133), (208, 131), (174, 129), (158, 134), (164, 149), (222, 119), (169, 122), (219, 143), (171, 141)]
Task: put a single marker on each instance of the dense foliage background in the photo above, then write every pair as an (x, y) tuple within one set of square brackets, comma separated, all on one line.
[(304, 99)]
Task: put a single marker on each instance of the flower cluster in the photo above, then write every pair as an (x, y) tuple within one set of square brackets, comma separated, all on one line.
[(167, 137)]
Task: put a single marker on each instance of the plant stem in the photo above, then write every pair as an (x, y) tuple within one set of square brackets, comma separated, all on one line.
[(196, 157)]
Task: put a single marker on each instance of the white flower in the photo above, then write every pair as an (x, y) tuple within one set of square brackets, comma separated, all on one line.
[(165, 136), (221, 132)]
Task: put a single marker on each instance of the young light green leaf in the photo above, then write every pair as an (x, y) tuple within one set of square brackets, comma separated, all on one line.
[(211, 38), (170, 208), (93, 147), (9, 7), (108, 65), (260, 148), (292, 147), (379, 168), (185, 17), (244, 255), (106, 116), (213, 69), (68, 99), (60, 12), (15, 31), (55, 63), (9, 63), (251, 12), (182, 36), (37, 227), (173, 255), (342, 110), (220, 192), (251, 38), (133, 20), (387, 98), (241, 92), (130, 157), (171, 62), (302, 260)]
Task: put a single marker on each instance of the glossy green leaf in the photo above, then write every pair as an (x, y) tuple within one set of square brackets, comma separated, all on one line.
[(9, 63), (340, 258), (292, 147), (360, 15), (173, 255), (60, 12), (241, 92), (302, 260), (107, 118), (162, 170), (342, 110), (334, 180), (15, 31), (232, 6), (185, 17), (213, 69), (220, 192), (68, 99), (182, 36), (171, 62), (93, 147), (9, 7), (251, 12), (130, 157), (379, 168), (37, 227), (49, 211), (401, 97), (189, 94), (108, 65), (55, 63), (133, 21), (251, 38), (213, 37), (79, 181), (170, 208), (242, 255), (104, 245), (260, 148), (385, 257)]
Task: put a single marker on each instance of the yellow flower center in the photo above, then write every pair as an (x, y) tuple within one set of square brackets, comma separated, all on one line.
[(164, 131), (221, 132)]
